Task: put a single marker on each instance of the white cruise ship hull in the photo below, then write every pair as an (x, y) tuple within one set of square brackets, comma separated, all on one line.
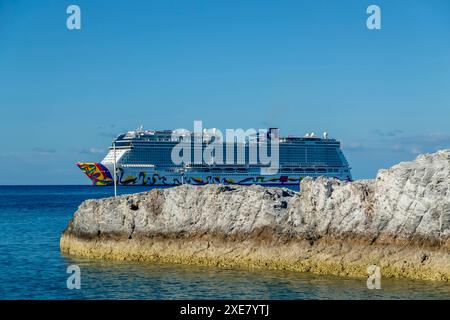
[(144, 158), (101, 175)]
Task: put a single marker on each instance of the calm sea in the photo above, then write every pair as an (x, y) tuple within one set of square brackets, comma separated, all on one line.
[(31, 266)]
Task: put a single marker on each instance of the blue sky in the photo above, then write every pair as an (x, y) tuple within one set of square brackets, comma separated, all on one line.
[(301, 66)]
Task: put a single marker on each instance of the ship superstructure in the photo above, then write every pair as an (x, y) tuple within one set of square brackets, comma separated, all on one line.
[(145, 157)]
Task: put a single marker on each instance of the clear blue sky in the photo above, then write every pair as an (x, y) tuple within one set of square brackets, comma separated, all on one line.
[(299, 65)]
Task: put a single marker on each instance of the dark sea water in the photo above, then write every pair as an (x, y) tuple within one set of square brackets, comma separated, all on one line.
[(32, 267)]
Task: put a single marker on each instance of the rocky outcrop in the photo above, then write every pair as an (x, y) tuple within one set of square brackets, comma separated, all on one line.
[(400, 221)]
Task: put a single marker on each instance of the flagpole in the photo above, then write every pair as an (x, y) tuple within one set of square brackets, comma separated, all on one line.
[(115, 175)]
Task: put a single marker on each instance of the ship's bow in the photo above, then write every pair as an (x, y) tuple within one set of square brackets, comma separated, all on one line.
[(97, 172)]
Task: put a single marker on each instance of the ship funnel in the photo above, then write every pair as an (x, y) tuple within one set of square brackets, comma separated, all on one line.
[(325, 135)]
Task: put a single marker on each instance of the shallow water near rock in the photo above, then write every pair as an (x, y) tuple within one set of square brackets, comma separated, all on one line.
[(32, 267)]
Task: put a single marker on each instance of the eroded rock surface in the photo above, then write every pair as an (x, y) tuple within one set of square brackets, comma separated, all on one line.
[(399, 221)]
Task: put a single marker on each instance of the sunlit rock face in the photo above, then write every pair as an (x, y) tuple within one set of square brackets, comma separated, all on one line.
[(409, 201), (399, 221)]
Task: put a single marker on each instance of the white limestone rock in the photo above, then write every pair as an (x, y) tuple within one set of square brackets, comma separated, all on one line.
[(409, 199), (400, 220)]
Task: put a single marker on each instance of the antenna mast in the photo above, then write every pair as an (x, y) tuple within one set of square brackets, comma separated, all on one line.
[(115, 173)]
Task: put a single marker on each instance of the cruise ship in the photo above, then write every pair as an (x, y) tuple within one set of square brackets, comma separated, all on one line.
[(145, 158)]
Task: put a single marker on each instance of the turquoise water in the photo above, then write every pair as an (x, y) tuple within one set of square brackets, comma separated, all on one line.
[(31, 266)]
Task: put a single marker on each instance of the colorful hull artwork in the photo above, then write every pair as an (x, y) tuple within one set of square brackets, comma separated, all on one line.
[(98, 173), (101, 176), (282, 180)]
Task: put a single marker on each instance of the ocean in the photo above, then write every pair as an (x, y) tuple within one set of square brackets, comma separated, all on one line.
[(32, 219)]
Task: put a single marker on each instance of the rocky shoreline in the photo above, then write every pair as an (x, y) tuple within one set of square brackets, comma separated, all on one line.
[(399, 221)]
